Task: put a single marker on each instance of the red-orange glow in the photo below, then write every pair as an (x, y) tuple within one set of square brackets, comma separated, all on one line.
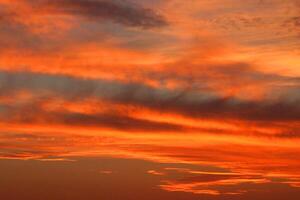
[(193, 98)]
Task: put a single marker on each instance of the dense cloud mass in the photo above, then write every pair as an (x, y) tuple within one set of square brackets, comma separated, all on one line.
[(193, 103)]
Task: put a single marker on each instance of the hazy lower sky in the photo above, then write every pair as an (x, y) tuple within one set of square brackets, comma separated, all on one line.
[(149, 99)]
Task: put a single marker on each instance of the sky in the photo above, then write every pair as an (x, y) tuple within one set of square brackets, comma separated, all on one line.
[(150, 99)]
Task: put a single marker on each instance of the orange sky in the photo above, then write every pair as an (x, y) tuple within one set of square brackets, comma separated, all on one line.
[(213, 85)]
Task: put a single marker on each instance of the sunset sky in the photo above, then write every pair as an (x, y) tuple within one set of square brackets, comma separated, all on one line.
[(150, 99)]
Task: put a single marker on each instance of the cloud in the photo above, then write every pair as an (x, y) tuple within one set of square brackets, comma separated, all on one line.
[(115, 11), (223, 183), (156, 173), (214, 99), (118, 122), (292, 24), (215, 184), (48, 26), (189, 102)]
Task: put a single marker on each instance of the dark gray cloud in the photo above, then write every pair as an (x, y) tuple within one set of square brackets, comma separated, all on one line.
[(38, 35), (25, 36), (120, 12), (192, 103)]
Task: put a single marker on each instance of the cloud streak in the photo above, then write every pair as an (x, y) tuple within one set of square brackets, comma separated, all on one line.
[(192, 103), (98, 10)]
